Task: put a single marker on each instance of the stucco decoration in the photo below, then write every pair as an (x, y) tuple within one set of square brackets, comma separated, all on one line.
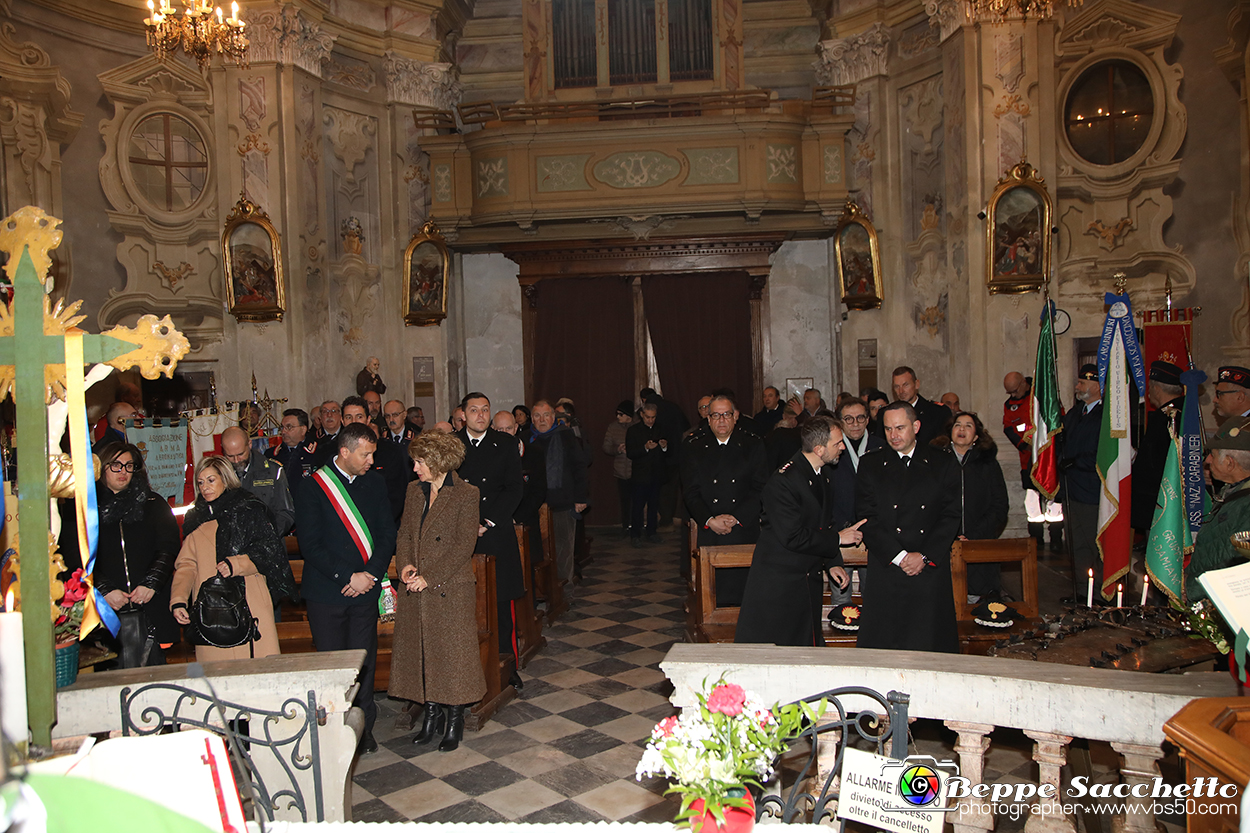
[(781, 162), (1009, 60), (421, 83), (441, 175), (562, 173), (36, 121), (359, 287), (351, 135), (283, 35), (643, 226), (945, 15), (851, 60), (492, 177), (1111, 217), (637, 169), (186, 234), (861, 148), (712, 166), (350, 72)]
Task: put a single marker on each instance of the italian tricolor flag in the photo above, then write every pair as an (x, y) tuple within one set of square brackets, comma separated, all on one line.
[(1115, 462), (1045, 409)]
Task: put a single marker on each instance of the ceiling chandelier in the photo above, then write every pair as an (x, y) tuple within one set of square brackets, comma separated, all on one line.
[(1000, 11), (200, 32)]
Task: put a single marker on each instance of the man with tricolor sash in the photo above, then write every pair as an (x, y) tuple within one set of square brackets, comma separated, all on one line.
[(347, 538)]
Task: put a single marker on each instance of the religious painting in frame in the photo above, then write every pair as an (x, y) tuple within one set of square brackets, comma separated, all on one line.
[(252, 253), (1018, 232), (859, 259), (427, 263)]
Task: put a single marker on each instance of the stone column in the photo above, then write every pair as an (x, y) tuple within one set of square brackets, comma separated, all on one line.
[(1048, 751), (1140, 767), (973, 741)]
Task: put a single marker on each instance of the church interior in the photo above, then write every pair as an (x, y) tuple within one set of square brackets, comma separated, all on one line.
[(583, 198)]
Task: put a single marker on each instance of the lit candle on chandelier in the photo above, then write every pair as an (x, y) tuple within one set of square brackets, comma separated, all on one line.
[(234, 12), (1145, 588), (1089, 594), (13, 720)]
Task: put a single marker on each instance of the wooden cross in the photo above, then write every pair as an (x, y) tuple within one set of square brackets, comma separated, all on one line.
[(32, 364)]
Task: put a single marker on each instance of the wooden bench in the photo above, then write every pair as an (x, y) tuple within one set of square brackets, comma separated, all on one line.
[(496, 668), (529, 625), (547, 584), (705, 622)]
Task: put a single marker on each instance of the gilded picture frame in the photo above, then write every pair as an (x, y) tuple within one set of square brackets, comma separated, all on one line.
[(252, 255), (859, 260), (1018, 233), (427, 265)]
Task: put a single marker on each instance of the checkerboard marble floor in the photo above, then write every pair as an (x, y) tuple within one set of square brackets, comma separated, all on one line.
[(565, 750)]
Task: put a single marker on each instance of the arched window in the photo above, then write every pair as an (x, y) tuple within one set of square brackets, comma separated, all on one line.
[(169, 161), (1109, 112)]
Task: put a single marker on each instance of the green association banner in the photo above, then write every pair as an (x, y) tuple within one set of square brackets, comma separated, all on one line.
[(1169, 540)]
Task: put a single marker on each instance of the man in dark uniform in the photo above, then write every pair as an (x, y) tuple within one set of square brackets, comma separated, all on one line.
[(492, 463), (1228, 455), (342, 573), (295, 452), (1232, 391), (722, 475), (261, 476), (389, 460), (797, 543), (1168, 396), (1078, 462), (932, 416), (327, 441), (673, 424), (908, 496), (396, 429)]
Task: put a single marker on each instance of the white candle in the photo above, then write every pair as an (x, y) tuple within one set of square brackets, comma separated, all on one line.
[(1145, 588), (12, 676), (1089, 594), (1119, 595), (234, 12)]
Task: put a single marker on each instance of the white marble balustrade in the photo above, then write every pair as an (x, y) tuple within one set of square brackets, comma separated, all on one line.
[(1051, 703)]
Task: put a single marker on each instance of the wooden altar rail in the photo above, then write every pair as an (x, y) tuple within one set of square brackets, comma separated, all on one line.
[(1213, 736), (972, 696)]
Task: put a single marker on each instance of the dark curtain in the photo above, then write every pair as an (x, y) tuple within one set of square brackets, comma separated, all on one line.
[(584, 349), (701, 333)]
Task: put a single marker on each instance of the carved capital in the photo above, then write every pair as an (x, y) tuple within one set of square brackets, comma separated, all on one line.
[(851, 60), (945, 15), (421, 83), (282, 35), (530, 291)]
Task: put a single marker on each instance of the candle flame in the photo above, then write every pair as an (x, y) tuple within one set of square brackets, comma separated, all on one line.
[(8, 600)]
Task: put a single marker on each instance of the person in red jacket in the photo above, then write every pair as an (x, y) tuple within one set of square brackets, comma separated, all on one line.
[(1017, 420)]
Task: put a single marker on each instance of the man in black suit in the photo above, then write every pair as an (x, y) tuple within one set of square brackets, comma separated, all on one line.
[(342, 573), (648, 454), (492, 463), (932, 415), (672, 424), (797, 543), (1168, 396), (908, 496), (389, 460), (1078, 462), (771, 413), (843, 475), (722, 475)]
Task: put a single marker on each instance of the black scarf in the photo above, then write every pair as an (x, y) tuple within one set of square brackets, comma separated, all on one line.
[(245, 525), (129, 505)]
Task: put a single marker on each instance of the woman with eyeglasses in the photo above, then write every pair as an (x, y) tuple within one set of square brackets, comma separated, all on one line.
[(229, 531), (138, 541), (983, 496)]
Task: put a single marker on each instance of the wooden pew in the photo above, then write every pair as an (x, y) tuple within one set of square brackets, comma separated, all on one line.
[(529, 635), (497, 669), (706, 622), (546, 577)]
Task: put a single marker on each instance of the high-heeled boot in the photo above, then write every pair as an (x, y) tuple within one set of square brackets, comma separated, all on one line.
[(432, 725), (455, 729)]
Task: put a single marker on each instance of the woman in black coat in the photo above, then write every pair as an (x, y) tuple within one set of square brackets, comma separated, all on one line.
[(138, 542), (983, 495)]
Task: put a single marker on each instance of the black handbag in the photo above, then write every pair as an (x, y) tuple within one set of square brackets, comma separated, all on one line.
[(220, 616), (136, 637)]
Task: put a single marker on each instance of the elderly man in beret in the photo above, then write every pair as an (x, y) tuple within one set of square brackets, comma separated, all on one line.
[(1232, 392), (1168, 397), (1228, 456)]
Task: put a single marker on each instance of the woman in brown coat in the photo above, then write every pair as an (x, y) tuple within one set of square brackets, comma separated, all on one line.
[(229, 531), (435, 657)]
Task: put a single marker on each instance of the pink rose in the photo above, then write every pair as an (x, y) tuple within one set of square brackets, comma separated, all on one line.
[(727, 699), (666, 726)]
